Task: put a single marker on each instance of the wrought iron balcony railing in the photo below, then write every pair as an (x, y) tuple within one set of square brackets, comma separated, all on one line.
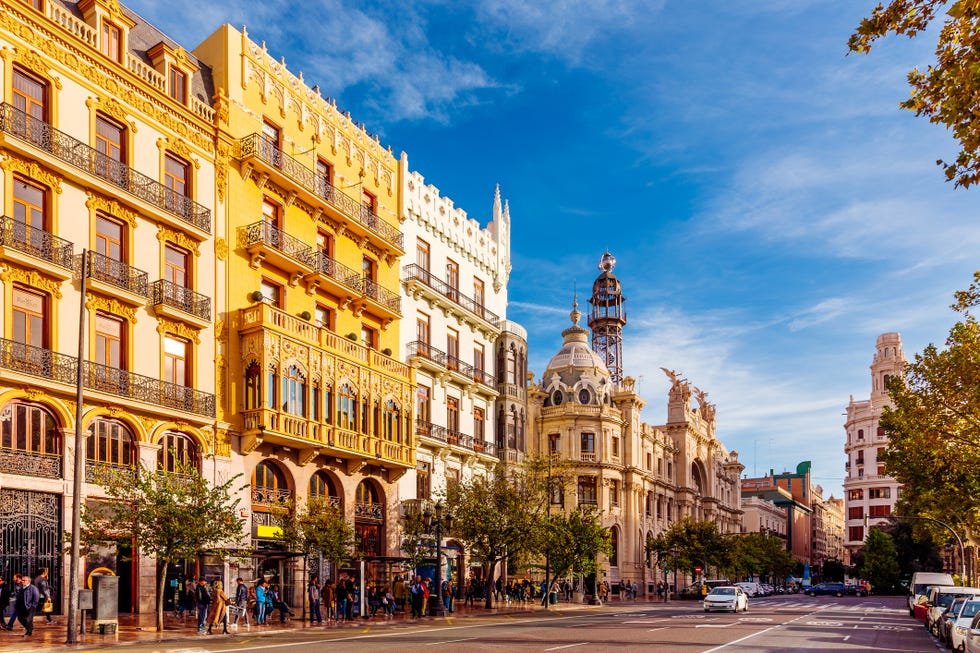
[(46, 364), (369, 511), (348, 277), (263, 148), (424, 349), (35, 131), (430, 430), (96, 471), (274, 237), (271, 497), (116, 273), (36, 242), (30, 463), (170, 294), (382, 295), (416, 273)]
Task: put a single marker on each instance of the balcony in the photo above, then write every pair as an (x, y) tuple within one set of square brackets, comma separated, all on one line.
[(430, 430), (36, 248), (271, 498), (337, 274), (369, 511), (433, 358), (266, 242), (390, 302), (29, 463), (266, 157), (414, 275), (510, 456), (116, 278), (188, 305), (52, 366), (96, 471), (79, 155)]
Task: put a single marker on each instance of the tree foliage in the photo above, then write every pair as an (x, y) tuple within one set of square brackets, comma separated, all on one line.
[(755, 554), (574, 540), (934, 428), (171, 516), (948, 92), (318, 528), (698, 544), (880, 564)]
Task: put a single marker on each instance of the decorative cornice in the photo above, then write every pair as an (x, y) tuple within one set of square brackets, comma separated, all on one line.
[(112, 207), (13, 163), (178, 238), (31, 278), (178, 329), (110, 305), (31, 59)]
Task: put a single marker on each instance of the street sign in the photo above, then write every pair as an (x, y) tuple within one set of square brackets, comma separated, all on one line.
[(697, 570)]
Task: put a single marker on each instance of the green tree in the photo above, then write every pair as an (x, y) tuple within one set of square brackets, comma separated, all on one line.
[(755, 554), (934, 428), (318, 528), (948, 93), (417, 543), (172, 516), (698, 544), (880, 564), (574, 541)]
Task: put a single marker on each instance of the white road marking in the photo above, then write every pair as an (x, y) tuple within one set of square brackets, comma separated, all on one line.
[(742, 639), (656, 629), (451, 641), (558, 648)]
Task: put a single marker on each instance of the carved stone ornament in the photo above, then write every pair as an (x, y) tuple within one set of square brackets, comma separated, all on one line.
[(31, 59), (109, 305), (180, 148), (31, 278), (178, 329), (13, 163), (112, 107), (178, 238), (112, 207), (221, 249)]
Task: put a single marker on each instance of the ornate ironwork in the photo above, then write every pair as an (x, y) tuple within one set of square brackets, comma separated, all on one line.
[(96, 471), (170, 294), (36, 242), (274, 237), (29, 463), (117, 273), (31, 534), (259, 146), (78, 154), (335, 270), (263, 496), (416, 273), (382, 295), (144, 388), (37, 361), (424, 349), (430, 430), (369, 511)]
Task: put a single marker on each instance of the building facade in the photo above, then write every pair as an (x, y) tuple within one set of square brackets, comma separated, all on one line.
[(107, 162), (791, 492), (869, 493), (312, 395), (642, 478)]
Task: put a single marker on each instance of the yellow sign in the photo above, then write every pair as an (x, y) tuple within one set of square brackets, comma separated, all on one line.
[(268, 532)]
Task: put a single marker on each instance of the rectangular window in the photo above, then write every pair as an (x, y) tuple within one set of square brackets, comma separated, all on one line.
[(422, 332), (649, 466), (324, 176), (423, 397), (369, 268), (177, 180), (422, 255), (452, 415), (271, 293), (176, 266), (855, 495), (855, 512), (879, 511), (615, 446), (369, 337), (30, 208), (324, 243), (478, 294), (479, 361), (111, 41), (613, 492), (110, 138), (325, 317), (30, 317), (370, 202), (423, 480), (30, 94), (176, 368), (452, 479), (855, 534), (587, 494), (178, 85), (452, 279), (554, 443), (109, 341), (36, 4), (272, 144), (452, 349), (588, 443), (479, 422), (879, 493), (272, 219)]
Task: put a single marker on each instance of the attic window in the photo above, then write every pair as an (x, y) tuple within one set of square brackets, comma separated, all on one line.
[(178, 85), (111, 40)]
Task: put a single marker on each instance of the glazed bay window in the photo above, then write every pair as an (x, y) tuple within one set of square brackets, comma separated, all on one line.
[(294, 392), (253, 386)]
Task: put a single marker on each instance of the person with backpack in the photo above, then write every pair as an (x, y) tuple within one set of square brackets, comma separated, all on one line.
[(202, 596)]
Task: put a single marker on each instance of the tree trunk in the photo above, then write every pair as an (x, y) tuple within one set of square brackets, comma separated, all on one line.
[(490, 579), (161, 587)]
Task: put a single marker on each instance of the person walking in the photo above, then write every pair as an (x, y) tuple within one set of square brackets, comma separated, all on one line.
[(218, 613), (44, 589), (260, 603), (202, 596), (13, 591), (328, 597), (314, 590), (26, 604), (241, 602), (5, 596), (342, 598)]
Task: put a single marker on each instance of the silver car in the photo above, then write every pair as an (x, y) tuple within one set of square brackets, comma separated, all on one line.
[(726, 597)]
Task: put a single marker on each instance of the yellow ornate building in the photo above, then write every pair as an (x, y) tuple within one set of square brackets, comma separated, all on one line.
[(107, 168), (309, 383)]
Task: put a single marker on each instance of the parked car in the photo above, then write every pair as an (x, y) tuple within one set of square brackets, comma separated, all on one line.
[(959, 628), (923, 579), (856, 590), (939, 599), (825, 589), (729, 597), (945, 622), (750, 588)]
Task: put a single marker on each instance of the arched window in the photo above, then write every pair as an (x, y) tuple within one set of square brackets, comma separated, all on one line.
[(367, 493), (614, 542), (294, 392), (322, 487), (269, 485), (111, 443), (29, 428), (347, 408), (177, 450), (696, 477), (391, 421), (253, 386)]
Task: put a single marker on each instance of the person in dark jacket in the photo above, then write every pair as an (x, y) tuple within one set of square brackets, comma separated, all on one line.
[(5, 596), (26, 604), (44, 589), (14, 589), (203, 597)]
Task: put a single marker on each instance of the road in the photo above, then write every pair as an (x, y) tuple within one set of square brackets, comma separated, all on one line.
[(776, 624)]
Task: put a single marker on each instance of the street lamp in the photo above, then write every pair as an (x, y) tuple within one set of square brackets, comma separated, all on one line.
[(673, 552), (435, 524), (944, 525)]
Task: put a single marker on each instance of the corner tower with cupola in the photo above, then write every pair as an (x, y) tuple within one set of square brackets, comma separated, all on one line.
[(608, 317)]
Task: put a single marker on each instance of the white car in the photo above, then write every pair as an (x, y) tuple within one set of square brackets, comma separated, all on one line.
[(960, 628), (726, 597)]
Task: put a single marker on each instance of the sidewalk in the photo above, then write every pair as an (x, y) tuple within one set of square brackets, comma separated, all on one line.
[(141, 628)]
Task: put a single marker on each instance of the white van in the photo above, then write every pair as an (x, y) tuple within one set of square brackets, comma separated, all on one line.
[(923, 579), (750, 588)]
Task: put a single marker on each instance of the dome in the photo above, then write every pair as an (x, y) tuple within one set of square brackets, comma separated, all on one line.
[(576, 353), (576, 365)]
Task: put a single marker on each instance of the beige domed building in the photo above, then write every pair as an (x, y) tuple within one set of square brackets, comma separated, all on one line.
[(642, 478)]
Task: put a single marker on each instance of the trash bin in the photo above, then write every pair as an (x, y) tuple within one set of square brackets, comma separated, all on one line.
[(553, 598)]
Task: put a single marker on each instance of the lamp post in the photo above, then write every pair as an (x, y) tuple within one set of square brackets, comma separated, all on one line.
[(944, 525), (434, 524), (673, 552)]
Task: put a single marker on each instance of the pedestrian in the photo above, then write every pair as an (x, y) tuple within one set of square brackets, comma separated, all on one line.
[(5, 596), (416, 594), (241, 602), (448, 592), (218, 613), (351, 598), (202, 597), (342, 598), (328, 598), (13, 591), (400, 593), (188, 598), (314, 591), (260, 602), (44, 589), (634, 589), (26, 604)]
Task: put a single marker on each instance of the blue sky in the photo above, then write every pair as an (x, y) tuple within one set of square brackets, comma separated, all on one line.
[(771, 208)]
